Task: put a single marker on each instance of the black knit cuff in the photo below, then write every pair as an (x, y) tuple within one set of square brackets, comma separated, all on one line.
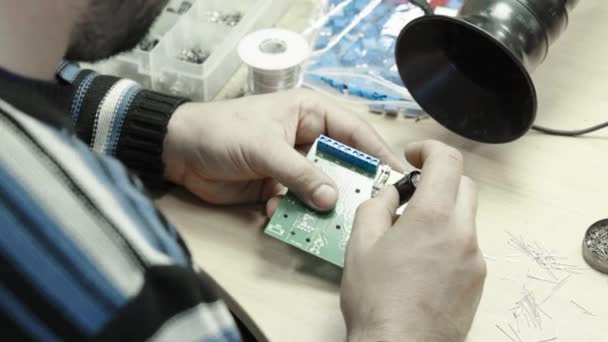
[(140, 146)]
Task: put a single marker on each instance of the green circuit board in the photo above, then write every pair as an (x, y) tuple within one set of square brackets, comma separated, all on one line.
[(325, 235)]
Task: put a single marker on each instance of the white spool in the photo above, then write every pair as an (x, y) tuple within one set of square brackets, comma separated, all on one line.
[(274, 57)]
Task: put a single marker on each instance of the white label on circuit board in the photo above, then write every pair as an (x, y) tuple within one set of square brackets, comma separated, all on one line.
[(275, 228)]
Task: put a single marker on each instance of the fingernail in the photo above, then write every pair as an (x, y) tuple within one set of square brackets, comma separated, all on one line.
[(324, 197)]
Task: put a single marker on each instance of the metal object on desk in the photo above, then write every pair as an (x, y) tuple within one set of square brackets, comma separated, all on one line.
[(274, 58), (471, 73), (231, 19), (194, 55), (184, 6), (595, 246), (148, 43)]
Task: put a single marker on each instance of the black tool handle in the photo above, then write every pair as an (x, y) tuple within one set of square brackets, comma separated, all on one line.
[(407, 186)]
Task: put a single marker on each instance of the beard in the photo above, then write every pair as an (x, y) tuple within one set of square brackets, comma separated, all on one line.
[(109, 27)]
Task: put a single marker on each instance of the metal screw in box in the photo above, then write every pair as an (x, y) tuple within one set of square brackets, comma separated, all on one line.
[(174, 65), (147, 44), (228, 18), (194, 55), (184, 6)]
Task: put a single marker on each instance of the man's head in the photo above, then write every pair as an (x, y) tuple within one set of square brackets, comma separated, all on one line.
[(107, 27)]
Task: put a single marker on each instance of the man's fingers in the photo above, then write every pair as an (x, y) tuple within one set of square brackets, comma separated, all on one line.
[(373, 219), (300, 175), (319, 115), (441, 172), (224, 193), (465, 209), (271, 188), (414, 154), (272, 205)]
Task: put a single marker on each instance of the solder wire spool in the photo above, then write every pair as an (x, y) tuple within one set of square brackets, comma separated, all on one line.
[(274, 58)]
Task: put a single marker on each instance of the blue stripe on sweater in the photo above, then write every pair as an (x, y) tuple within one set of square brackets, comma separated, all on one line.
[(61, 66), (36, 245), (140, 209), (23, 317), (55, 240), (156, 233), (69, 71), (226, 335), (83, 88)]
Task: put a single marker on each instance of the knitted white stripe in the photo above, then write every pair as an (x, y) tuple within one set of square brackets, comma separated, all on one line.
[(107, 112)]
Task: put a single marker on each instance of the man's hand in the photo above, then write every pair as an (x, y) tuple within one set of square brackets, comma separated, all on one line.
[(418, 278), (242, 150)]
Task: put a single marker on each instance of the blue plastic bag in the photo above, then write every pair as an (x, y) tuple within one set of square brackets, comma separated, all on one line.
[(359, 38)]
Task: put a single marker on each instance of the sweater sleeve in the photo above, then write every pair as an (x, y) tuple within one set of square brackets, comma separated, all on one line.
[(85, 255), (119, 118)]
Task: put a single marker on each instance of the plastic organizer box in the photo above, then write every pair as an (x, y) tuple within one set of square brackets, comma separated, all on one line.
[(191, 50)]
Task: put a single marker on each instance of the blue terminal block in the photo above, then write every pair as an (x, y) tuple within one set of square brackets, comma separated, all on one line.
[(347, 154)]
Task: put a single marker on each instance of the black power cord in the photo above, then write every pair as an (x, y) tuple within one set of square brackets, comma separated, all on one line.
[(570, 133), (423, 5)]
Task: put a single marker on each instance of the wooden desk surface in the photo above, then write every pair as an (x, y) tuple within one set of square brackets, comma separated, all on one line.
[(546, 189)]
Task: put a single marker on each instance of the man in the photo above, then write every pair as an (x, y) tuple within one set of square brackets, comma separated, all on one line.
[(85, 255)]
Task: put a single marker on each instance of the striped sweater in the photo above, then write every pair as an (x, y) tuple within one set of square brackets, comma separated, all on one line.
[(84, 254)]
